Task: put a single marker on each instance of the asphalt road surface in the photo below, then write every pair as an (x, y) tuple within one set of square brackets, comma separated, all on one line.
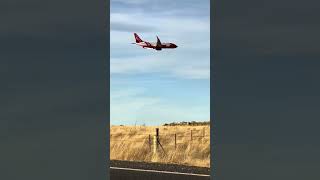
[(124, 170)]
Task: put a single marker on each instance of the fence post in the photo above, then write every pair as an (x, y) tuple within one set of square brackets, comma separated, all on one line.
[(191, 135), (157, 138), (175, 141), (150, 142), (157, 132), (204, 132)]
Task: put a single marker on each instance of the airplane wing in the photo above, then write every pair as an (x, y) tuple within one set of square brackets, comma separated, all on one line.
[(158, 42)]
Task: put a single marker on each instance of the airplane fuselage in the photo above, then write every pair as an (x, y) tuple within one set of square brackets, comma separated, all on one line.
[(153, 45)]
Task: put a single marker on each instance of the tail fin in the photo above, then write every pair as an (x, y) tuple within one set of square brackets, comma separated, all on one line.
[(137, 38)]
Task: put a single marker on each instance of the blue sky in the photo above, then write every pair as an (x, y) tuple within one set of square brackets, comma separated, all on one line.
[(154, 87)]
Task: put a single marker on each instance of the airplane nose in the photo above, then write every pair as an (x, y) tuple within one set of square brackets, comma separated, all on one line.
[(174, 45)]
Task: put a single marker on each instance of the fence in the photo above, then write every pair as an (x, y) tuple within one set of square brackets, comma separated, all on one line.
[(164, 141)]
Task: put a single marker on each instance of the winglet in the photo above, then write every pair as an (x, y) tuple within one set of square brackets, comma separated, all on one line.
[(158, 41)]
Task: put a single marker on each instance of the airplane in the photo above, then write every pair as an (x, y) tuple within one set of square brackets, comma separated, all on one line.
[(157, 46)]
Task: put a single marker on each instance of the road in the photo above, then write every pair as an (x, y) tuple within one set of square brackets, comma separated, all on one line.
[(154, 172), (140, 174)]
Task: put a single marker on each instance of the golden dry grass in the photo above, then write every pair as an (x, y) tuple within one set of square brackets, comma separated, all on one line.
[(131, 143)]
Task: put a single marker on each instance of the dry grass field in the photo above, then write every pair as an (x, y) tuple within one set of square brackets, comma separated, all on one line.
[(132, 143)]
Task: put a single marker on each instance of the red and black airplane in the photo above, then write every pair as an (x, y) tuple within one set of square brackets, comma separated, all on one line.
[(157, 46)]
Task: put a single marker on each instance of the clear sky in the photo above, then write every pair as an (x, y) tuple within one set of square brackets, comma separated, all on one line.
[(154, 87)]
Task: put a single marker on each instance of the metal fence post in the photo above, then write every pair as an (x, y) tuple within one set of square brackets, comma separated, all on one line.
[(175, 141), (157, 132), (157, 138)]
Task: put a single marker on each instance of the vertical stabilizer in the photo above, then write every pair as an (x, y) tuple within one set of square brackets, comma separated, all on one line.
[(138, 39)]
